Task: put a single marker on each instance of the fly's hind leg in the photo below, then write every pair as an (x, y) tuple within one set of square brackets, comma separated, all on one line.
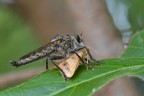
[(47, 68), (57, 58)]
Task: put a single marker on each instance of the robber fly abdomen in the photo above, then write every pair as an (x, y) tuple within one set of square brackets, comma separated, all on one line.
[(33, 56)]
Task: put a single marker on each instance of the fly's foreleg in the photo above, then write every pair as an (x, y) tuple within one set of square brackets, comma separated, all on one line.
[(92, 59), (85, 62)]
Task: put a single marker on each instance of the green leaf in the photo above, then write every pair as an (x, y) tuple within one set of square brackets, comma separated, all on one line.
[(136, 47), (84, 81)]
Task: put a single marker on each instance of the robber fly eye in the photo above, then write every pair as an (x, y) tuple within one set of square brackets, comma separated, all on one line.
[(78, 38)]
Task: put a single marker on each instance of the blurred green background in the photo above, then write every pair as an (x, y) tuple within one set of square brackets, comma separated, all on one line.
[(16, 39)]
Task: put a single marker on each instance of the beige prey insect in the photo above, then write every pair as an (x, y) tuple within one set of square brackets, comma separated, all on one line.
[(70, 65)]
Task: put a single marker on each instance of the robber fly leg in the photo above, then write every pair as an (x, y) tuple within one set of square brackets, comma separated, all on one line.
[(93, 58), (80, 58), (65, 77), (47, 68), (90, 55)]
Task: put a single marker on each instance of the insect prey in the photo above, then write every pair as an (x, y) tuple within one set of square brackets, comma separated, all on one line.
[(70, 65)]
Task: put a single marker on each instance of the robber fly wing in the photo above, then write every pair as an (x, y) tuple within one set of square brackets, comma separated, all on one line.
[(34, 51), (38, 50), (37, 54)]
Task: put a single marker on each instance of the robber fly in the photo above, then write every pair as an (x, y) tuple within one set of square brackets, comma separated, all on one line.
[(60, 48)]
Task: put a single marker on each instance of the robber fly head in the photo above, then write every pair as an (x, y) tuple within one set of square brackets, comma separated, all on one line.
[(77, 41), (78, 38)]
